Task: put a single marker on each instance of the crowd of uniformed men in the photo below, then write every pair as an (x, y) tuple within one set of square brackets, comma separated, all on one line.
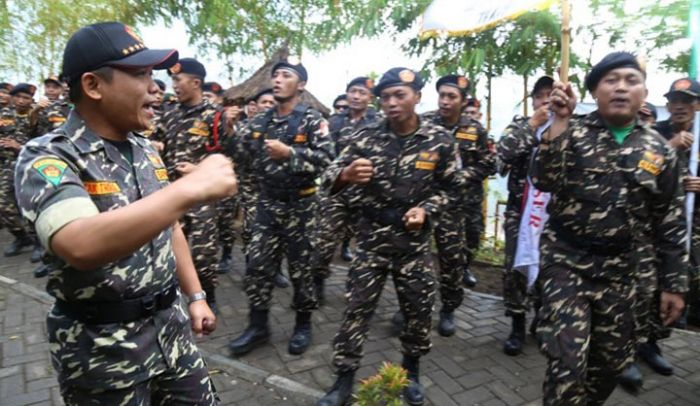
[(128, 199)]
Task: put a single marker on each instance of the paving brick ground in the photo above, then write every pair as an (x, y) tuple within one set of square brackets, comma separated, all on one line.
[(467, 369)]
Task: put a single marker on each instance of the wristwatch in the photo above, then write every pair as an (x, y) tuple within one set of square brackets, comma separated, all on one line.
[(197, 296)]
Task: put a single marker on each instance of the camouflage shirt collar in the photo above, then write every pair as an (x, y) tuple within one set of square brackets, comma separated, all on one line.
[(195, 107), (424, 127), (595, 120), (83, 137)]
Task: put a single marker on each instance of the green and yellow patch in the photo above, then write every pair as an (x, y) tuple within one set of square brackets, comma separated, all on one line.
[(51, 169)]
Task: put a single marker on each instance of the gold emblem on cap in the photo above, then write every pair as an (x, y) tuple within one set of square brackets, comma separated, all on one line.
[(683, 84), (407, 76), (215, 87), (175, 69), (462, 82), (133, 35), (369, 84)]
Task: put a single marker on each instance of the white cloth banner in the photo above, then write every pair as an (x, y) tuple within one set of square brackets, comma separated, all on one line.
[(534, 217), (462, 17)]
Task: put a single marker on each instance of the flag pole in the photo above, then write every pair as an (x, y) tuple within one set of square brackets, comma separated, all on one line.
[(565, 38)]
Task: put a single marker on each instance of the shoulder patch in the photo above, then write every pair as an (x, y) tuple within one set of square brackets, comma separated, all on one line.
[(51, 169)]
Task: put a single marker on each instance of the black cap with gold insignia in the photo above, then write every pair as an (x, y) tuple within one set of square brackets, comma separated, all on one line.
[(399, 77), (53, 79), (23, 88), (685, 85), (363, 81), (213, 87), (110, 44), (612, 61), (457, 81), (188, 66)]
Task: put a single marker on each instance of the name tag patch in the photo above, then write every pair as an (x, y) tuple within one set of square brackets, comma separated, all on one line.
[(51, 169), (468, 136), (57, 119), (651, 162), (428, 166), (99, 188), (155, 160), (199, 128), (300, 138), (161, 174)]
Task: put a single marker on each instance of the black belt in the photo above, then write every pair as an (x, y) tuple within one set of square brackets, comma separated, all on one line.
[(288, 195), (592, 245), (386, 216), (118, 312)]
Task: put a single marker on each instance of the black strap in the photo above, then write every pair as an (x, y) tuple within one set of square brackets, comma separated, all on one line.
[(118, 312)]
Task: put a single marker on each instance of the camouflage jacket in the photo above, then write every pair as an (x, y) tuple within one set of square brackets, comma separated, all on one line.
[(420, 170), (72, 173), (514, 154), (189, 134), (15, 126), (153, 132), (476, 151), (613, 198), (342, 127), (312, 148), (52, 117)]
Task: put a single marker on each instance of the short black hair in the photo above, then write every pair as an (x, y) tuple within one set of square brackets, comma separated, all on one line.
[(75, 88)]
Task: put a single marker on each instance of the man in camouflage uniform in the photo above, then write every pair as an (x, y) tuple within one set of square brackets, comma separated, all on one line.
[(103, 208), (473, 109), (52, 112), (288, 147), (404, 170), (515, 150), (5, 98), (459, 226), (614, 187), (334, 214), (15, 131), (191, 131)]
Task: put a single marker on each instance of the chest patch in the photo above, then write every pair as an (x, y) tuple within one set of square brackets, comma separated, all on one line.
[(199, 128), (101, 188), (300, 138), (155, 160), (651, 162), (51, 169), (161, 174), (467, 134), (57, 119)]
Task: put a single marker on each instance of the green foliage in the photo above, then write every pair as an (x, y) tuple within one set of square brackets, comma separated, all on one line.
[(383, 389)]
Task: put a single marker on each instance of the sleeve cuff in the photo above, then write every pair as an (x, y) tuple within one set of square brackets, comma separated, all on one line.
[(61, 213)]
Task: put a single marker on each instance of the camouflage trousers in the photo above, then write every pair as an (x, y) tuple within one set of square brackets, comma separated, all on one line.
[(184, 385), (415, 288), (226, 215), (248, 199), (332, 223), (648, 323), (515, 296), (281, 228), (198, 225), (585, 329), (450, 240), (10, 218)]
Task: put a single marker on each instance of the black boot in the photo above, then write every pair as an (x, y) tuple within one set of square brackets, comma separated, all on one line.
[(281, 280), (341, 392), (514, 343), (413, 393), (301, 338), (651, 354), (469, 279), (41, 271), (226, 261), (319, 287), (631, 378), (37, 253), (446, 327), (257, 333), (345, 252), (398, 320), (15, 247)]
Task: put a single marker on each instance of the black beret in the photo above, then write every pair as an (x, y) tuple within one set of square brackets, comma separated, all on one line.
[(23, 88), (458, 81), (686, 85), (650, 108), (363, 81), (160, 83), (399, 77), (5, 86), (260, 94), (473, 102), (544, 81), (298, 69), (339, 98), (213, 87), (611, 61), (190, 66), (53, 79)]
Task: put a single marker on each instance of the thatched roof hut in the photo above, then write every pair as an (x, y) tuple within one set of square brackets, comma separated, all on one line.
[(261, 80)]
